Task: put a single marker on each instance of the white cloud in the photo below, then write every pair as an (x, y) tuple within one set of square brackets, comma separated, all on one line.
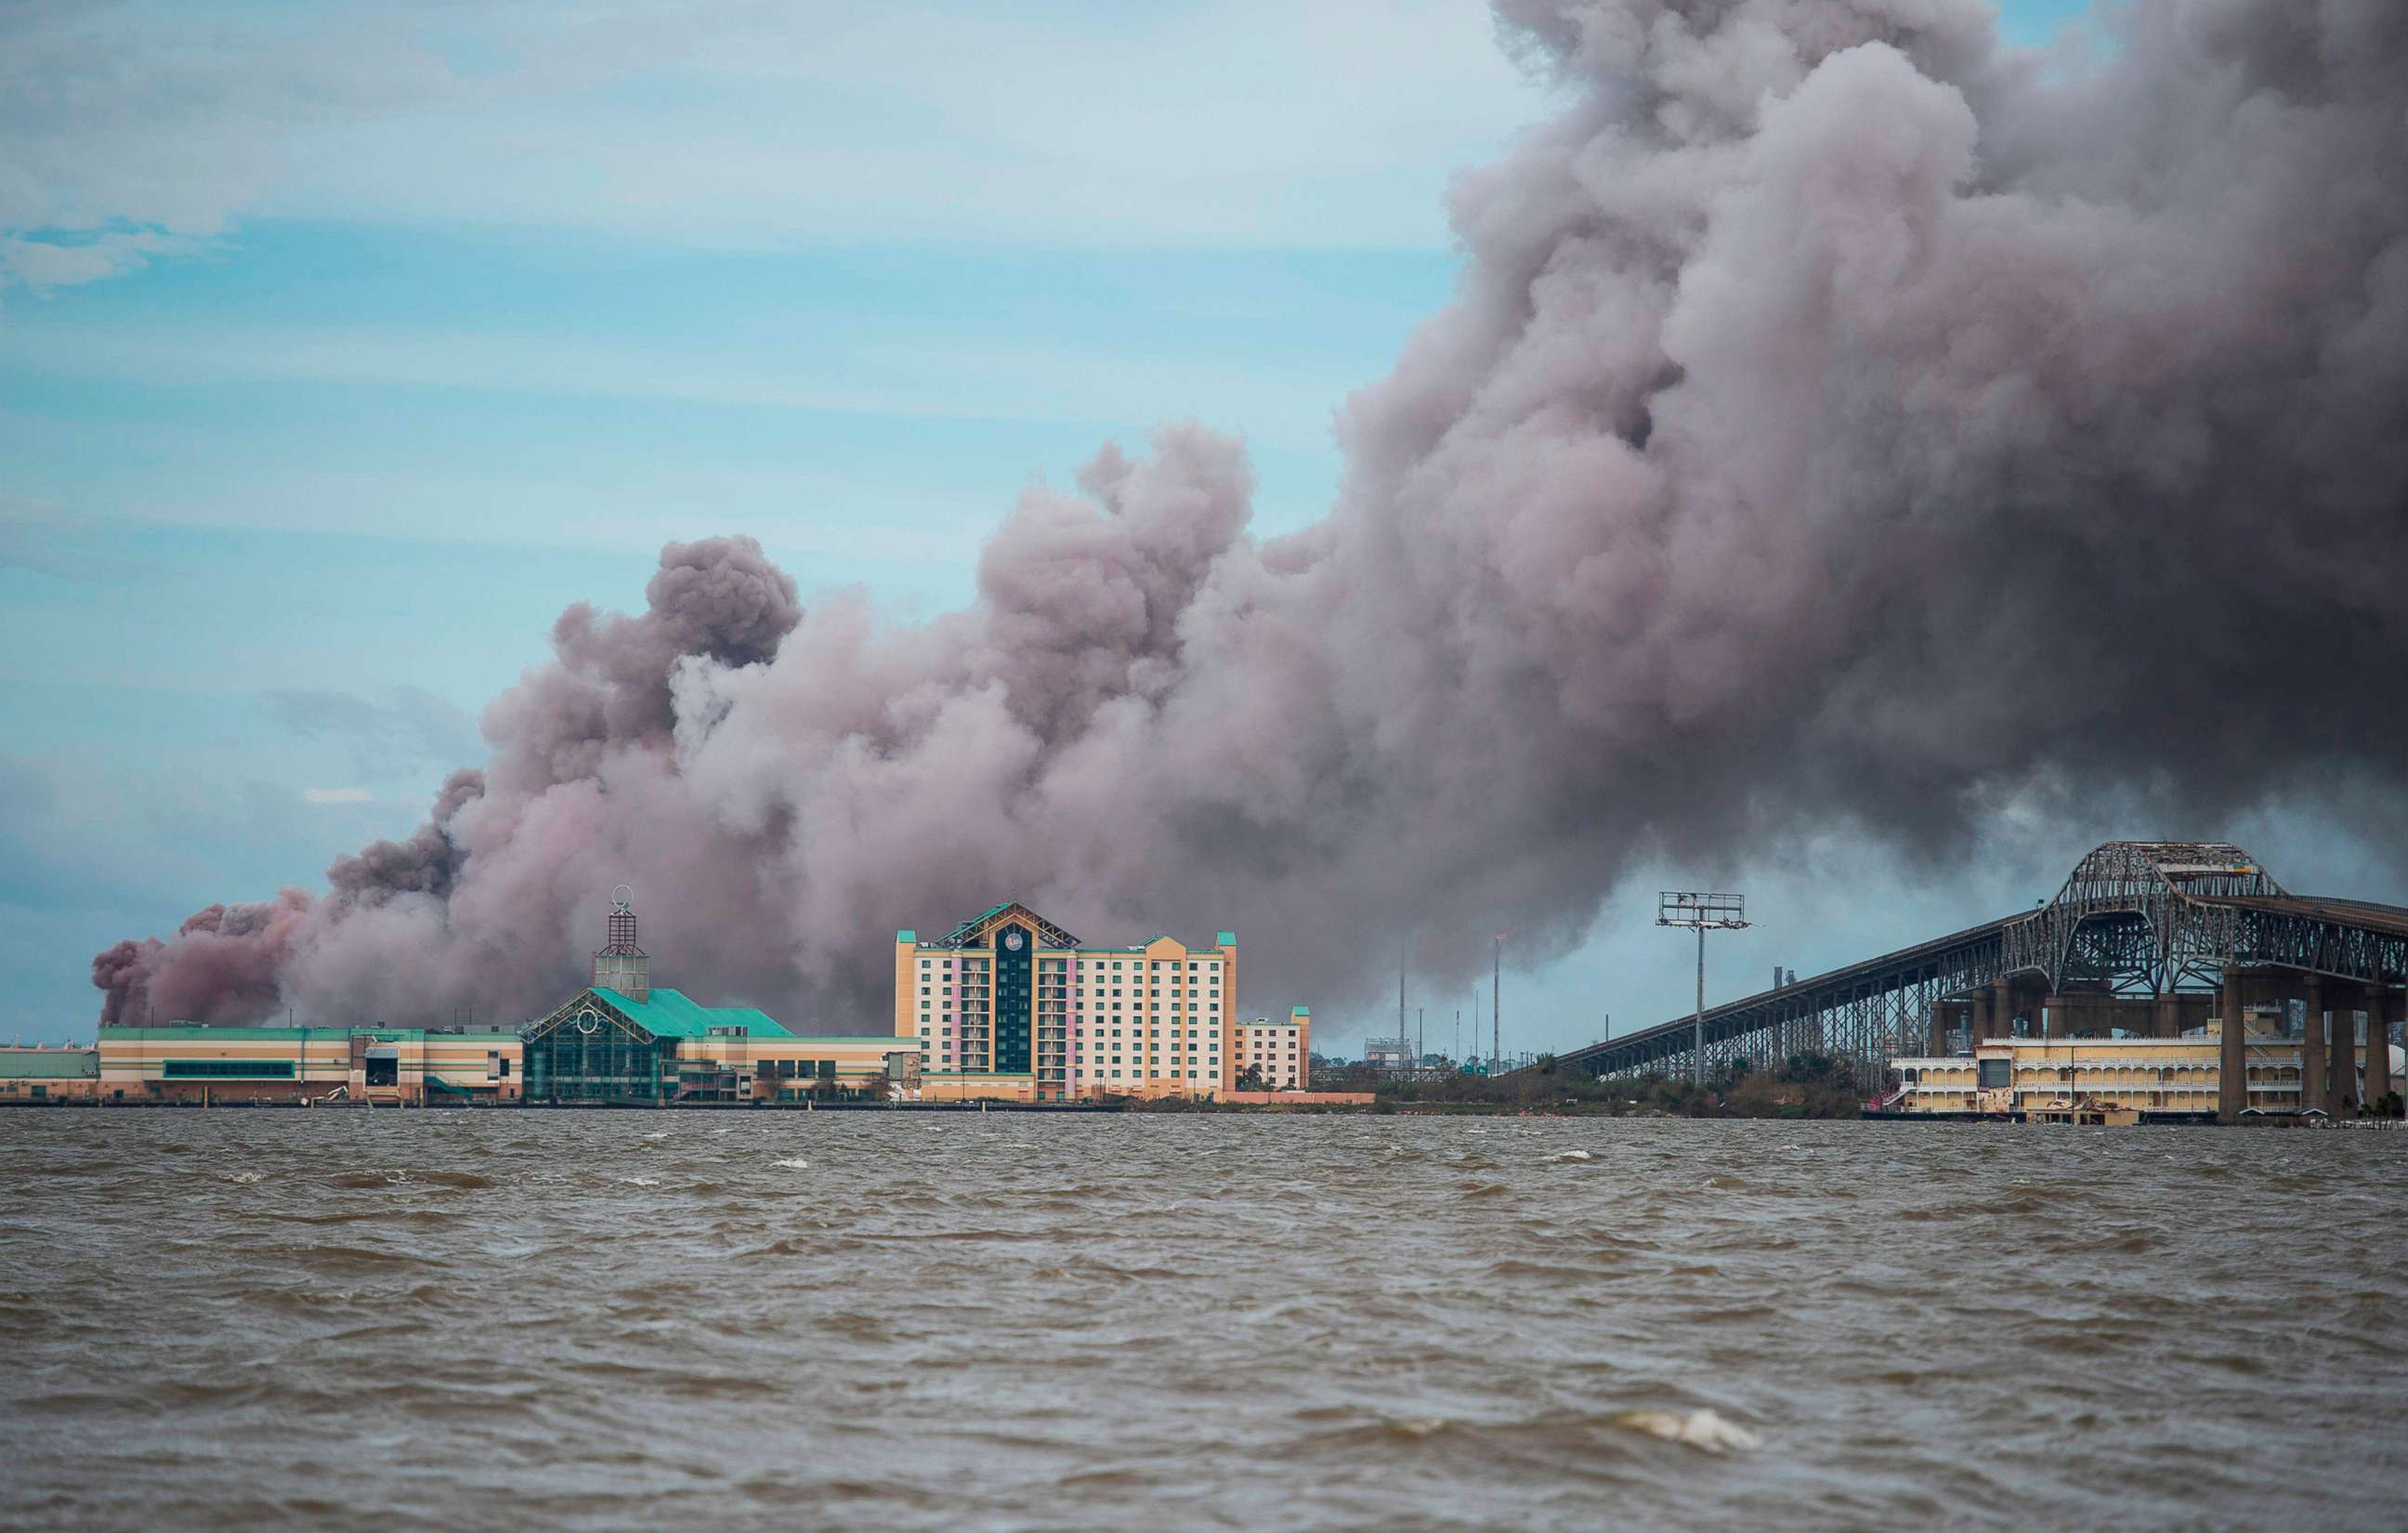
[(335, 796), (125, 130)]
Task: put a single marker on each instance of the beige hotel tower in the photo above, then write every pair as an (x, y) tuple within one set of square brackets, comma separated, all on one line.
[(1009, 1006)]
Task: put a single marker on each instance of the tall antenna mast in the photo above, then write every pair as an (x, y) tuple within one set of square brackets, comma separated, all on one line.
[(1497, 1003)]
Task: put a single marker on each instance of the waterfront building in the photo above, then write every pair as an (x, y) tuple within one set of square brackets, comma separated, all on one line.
[(619, 1042), (623, 1041), (1009, 1006), (186, 1063), (2107, 1079), (1280, 1048), (48, 1074)]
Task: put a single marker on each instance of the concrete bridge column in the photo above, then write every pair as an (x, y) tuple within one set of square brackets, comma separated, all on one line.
[(2002, 1009), (1938, 1028), (2379, 1004), (2165, 1015), (2341, 1049), (2314, 1082), (2232, 1057)]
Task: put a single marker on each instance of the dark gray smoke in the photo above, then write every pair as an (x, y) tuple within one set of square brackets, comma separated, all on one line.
[(1844, 421)]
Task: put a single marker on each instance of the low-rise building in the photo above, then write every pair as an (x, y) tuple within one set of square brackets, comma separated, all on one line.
[(619, 1042), (187, 1063), (623, 1041), (2106, 1080), (48, 1074), (1280, 1049)]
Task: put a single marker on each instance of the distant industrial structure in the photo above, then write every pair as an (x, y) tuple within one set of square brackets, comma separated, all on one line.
[(2152, 939)]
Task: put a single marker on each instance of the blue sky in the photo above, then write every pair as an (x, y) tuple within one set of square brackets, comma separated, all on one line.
[(318, 322)]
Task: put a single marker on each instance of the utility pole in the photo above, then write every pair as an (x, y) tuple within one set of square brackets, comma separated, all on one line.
[(1716, 912), (1400, 998), (1421, 1035)]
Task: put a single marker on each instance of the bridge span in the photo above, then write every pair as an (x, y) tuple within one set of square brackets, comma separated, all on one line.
[(2155, 938)]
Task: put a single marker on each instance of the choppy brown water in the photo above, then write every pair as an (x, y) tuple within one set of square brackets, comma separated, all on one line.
[(614, 1320)]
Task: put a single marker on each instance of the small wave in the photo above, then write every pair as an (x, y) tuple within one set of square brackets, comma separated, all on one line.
[(247, 1177), (360, 1180), (793, 1164), (1702, 1428), (1571, 1154), (641, 1181), (658, 1133)]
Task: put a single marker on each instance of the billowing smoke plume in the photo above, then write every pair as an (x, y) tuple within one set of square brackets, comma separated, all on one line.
[(1843, 419)]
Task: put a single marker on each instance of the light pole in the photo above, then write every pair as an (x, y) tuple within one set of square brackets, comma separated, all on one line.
[(1705, 912)]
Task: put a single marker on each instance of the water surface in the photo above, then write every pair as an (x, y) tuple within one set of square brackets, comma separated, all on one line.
[(610, 1320)]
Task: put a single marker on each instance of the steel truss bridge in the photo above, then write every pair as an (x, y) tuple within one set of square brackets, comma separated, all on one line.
[(2137, 919)]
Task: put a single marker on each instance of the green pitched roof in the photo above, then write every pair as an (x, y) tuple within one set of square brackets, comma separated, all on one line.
[(669, 1015)]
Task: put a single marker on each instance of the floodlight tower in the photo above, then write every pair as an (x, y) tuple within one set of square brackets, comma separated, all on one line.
[(1706, 912)]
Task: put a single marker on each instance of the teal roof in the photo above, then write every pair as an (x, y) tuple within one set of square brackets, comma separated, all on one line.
[(670, 1014), (49, 1064), (907, 935), (1227, 940), (193, 1032)]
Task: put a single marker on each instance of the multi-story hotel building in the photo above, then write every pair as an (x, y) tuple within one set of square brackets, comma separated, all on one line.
[(1279, 1048), (1009, 1005)]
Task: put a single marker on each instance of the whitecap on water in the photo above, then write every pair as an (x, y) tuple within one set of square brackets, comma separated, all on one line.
[(1702, 1428), (658, 1133), (640, 1181), (1571, 1154), (793, 1164), (247, 1177)]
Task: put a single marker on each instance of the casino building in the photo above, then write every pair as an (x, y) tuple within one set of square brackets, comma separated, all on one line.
[(1009, 1006), (625, 1042), (621, 1042)]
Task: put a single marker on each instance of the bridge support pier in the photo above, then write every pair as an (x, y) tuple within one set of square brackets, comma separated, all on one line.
[(2232, 1054), (2313, 1081), (2000, 993), (2379, 1005), (2165, 1015), (2341, 1050)]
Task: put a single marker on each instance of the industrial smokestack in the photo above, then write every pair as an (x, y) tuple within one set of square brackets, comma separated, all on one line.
[(1843, 422)]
